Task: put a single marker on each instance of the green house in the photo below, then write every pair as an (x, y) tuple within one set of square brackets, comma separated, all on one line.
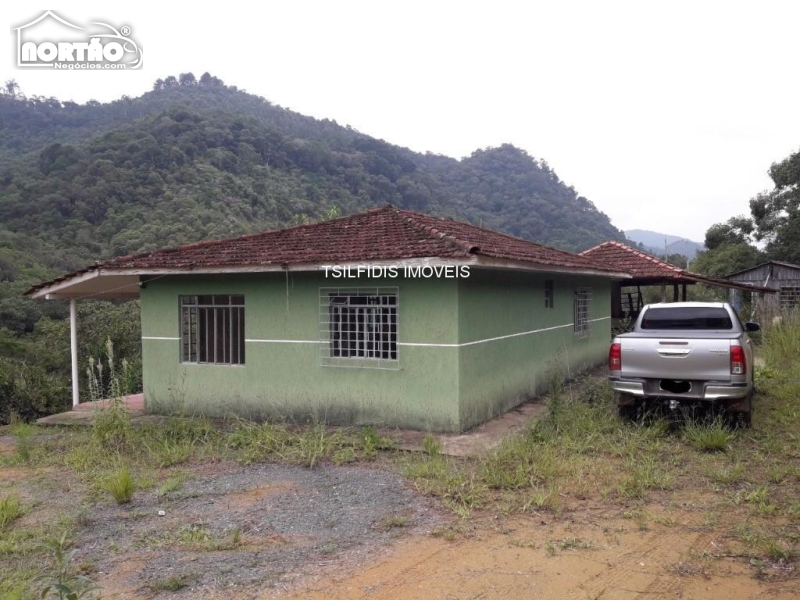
[(387, 317)]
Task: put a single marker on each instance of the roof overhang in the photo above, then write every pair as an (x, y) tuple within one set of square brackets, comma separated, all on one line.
[(97, 284), (104, 283)]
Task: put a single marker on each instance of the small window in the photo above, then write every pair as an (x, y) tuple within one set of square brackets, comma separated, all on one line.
[(582, 312), (212, 329), (549, 299), (358, 327)]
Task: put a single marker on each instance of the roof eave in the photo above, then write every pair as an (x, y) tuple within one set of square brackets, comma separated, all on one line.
[(112, 282), (501, 263)]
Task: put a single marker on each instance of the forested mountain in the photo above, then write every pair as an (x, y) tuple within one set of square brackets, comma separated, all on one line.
[(200, 159), (196, 159)]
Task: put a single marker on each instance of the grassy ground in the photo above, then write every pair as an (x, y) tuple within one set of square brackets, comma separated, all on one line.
[(740, 484)]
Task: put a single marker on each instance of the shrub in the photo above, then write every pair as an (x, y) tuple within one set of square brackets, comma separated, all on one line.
[(29, 392)]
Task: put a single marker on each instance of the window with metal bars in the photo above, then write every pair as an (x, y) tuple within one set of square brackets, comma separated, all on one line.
[(212, 329), (358, 327), (582, 312)]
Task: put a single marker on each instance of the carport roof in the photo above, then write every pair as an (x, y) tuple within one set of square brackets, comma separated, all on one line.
[(649, 270)]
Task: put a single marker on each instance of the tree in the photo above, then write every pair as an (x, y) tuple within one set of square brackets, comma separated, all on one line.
[(726, 259), (208, 79), (11, 88), (776, 214), (187, 79), (679, 260), (736, 230)]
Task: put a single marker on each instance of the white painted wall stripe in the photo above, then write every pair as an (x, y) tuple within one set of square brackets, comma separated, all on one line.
[(409, 344), (494, 339), (252, 341)]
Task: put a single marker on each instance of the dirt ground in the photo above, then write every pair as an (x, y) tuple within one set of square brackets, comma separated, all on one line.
[(525, 559), (363, 530), (356, 532)]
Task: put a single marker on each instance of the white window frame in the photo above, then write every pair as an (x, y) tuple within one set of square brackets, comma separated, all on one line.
[(359, 327)]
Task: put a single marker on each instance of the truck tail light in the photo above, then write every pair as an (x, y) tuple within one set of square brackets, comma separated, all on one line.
[(615, 357), (738, 361)]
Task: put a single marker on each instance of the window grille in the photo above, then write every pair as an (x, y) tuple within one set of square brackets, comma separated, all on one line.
[(358, 327), (582, 312), (789, 297), (549, 297), (212, 329)]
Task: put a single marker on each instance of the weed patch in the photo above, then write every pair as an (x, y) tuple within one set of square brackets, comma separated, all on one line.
[(708, 436), (10, 510), (120, 485)]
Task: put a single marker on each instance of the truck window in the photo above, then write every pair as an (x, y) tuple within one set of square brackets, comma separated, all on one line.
[(686, 317)]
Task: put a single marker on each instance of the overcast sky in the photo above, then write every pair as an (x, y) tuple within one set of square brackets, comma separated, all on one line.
[(665, 115)]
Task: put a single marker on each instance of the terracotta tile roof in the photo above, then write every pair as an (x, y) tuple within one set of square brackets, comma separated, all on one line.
[(630, 260), (647, 269), (386, 233)]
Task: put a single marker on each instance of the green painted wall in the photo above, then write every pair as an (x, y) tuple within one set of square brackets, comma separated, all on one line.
[(448, 386), (286, 380), (497, 375)]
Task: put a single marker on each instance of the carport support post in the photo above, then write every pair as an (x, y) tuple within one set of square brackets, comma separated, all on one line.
[(73, 347)]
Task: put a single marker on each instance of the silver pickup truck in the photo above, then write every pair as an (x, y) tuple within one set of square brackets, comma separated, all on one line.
[(684, 353)]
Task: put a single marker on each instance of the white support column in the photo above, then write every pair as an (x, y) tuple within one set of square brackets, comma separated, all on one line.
[(73, 344)]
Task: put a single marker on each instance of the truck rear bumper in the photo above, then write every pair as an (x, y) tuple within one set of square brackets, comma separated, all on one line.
[(710, 391)]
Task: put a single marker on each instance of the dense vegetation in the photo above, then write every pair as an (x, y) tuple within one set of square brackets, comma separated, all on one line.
[(196, 159)]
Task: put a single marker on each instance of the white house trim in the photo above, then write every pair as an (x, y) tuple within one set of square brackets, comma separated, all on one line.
[(408, 344)]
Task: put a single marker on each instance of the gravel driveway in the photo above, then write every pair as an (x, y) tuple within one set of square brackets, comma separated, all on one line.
[(255, 527)]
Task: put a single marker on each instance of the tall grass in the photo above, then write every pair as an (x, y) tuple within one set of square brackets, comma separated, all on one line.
[(10, 509), (120, 485), (708, 436), (781, 342), (23, 433)]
